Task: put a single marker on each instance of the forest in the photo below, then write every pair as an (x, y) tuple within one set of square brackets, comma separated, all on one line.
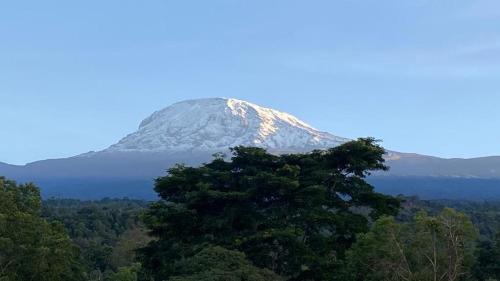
[(255, 216)]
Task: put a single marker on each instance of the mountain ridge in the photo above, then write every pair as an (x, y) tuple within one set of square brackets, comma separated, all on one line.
[(190, 132)]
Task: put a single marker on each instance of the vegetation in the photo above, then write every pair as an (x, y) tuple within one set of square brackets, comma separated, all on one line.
[(107, 233), (254, 217), (30, 247), (429, 248), (295, 215), (216, 263), (485, 217)]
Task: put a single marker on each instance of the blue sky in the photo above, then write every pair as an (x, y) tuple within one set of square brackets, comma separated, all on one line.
[(422, 75)]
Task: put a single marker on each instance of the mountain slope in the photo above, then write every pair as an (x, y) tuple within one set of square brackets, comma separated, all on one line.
[(191, 131), (428, 166), (216, 124)]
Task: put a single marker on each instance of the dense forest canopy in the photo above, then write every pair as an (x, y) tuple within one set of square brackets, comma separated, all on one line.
[(106, 232), (256, 216)]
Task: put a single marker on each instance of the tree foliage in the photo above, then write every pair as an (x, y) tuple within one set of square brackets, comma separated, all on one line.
[(430, 248), (215, 263), (107, 232), (30, 247), (293, 214), (487, 263)]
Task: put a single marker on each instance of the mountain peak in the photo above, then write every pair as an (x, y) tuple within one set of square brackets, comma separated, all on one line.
[(215, 124)]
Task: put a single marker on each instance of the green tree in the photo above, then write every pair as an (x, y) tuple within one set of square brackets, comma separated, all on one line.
[(126, 273), (487, 263), (215, 263), (430, 248), (107, 232), (293, 214), (30, 247), (124, 252)]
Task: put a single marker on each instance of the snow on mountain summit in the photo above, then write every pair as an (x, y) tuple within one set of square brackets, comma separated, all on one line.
[(218, 123)]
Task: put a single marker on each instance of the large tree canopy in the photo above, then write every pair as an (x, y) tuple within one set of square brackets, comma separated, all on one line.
[(293, 214)]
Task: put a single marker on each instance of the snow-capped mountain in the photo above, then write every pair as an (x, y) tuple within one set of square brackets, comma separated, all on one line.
[(219, 123), (189, 132)]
